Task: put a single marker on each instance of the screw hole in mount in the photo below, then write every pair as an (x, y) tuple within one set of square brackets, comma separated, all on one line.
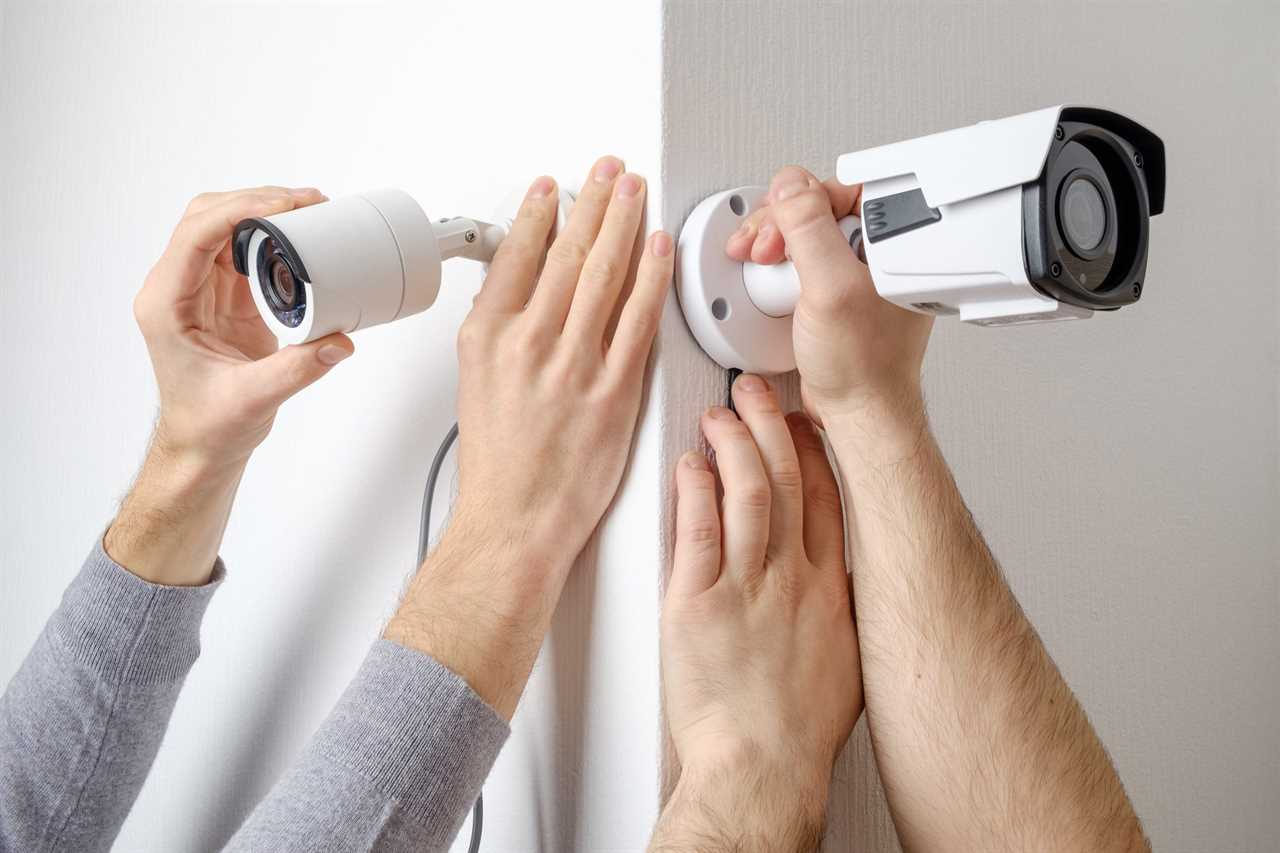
[(738, 205), (1055, 269), (720, 308), (1137, 289)]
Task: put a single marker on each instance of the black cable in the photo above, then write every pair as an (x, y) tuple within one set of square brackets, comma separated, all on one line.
[(424, 543), (734, 373)]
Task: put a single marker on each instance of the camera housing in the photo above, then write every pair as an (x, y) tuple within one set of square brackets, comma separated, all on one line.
[(1039, 216), (341, 265), (351, 263), (1036, 217)]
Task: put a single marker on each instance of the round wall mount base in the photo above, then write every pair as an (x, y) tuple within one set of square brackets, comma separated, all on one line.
[(713, 295)]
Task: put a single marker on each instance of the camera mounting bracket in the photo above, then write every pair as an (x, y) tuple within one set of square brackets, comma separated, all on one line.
[(739, 313)]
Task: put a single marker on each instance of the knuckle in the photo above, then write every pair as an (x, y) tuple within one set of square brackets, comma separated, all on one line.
[(200, 201), (535, 211), (601, 269), (786, 475), (754, 497), (519, 247), (567, 253), (700, 533), (142, 309), (802, 210)]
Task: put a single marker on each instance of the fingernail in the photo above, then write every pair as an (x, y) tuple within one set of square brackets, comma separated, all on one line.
[(751, 383), (743, 230), (629, 186), (303, 192), (607, 169), (662, 244), (331, 354), (767, 231), (541, 187), (720, 413), (696, 461), (788, 183)]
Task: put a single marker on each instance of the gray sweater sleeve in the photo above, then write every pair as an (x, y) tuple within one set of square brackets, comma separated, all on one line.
[(82, 719), (395, 767)]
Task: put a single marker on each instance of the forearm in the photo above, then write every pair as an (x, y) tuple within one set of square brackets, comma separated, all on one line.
[(979, 741), (742, 807), (482, 603), (170, 525)]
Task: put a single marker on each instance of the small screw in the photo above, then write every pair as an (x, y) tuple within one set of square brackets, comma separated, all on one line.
[(1137, 289), (1055, 269), (470, 236), (1137, 159), (1059, 133)]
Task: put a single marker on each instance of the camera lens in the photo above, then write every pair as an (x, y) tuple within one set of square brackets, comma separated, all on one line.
[(284, 293), (282, 281), (1083, 215)]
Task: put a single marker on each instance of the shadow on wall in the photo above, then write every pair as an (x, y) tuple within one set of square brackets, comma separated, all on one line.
[(295, 661), (570, 641)]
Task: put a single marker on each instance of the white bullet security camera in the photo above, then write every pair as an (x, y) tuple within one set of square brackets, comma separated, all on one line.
[(351, 263), (1035, 217)]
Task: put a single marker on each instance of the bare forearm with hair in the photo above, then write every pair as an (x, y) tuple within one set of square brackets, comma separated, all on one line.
[(979, 741), (481, 604), (741, 808), (170, 524)]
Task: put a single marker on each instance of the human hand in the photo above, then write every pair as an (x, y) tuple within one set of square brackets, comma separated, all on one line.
[(759, 652), (548, 391), (551, 373), (857, 353), (220, 374), (221, 379)]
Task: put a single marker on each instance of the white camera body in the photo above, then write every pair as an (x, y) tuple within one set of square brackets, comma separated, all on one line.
[(351, 263), (1036, 217)]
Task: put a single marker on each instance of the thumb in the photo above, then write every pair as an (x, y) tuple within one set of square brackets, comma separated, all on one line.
[(287, 371), (828, 268)]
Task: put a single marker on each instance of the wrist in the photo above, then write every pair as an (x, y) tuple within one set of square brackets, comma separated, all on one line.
[(207, 456), (875, 430), (744, 801), (170, 524), (480, 605)]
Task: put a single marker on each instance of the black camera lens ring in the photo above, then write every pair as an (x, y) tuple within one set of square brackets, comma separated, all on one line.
[(272, 259), (1124, 247), (242, 236)]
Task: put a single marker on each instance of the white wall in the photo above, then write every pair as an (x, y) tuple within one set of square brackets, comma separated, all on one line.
[(111, 117), (1124, 469)]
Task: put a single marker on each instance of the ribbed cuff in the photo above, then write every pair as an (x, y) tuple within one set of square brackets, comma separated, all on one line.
[(127, 629), (418, 732)]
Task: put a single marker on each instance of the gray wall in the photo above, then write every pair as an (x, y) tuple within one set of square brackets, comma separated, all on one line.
[(1124, 469)]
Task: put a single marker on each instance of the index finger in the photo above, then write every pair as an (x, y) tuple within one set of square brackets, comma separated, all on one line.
[(199, 238), (759, 240), (206, 200)]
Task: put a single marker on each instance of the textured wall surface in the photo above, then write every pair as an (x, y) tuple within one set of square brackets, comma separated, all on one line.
[(1124, 469), (111, 116)]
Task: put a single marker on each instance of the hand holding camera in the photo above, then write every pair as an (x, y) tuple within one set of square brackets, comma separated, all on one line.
[(220, 373)]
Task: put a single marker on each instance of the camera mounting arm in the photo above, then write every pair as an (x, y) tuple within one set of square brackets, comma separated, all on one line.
[(460, 237)]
